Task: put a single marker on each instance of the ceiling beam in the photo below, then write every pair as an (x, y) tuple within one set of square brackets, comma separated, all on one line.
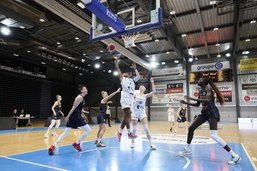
[(238, 21), (85, 26), (200, 19), (176, 46)]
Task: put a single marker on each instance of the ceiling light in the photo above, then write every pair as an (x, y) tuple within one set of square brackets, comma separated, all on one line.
[(104, 70), (147, 56), (217, 44), (5, 31), (42, 20), (172, 12), (246, 52), (88, 64), (228, 55), (218, 56), (101, 51), (109, 71), (83, 60), (253, 21), (64, 69), (184, 35), (247, 40), (139, 21), (190, 59), (97, 65), (176, 61), (84, 54), (196, 58), (97, 57), (76, 38), (167, 52), (153, 64), (43, 63), (22, 27), (15, 54), (80, 73), (91, 72), (163, 63), (103, 62), (81, 5), (213, 2), (28, 51), (115, 73), (58, 43), (216, 28), (156, 40)]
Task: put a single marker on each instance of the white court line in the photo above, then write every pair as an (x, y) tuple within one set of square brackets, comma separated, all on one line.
[(36, 164), (187, 159), (249, 157), (184, 167)]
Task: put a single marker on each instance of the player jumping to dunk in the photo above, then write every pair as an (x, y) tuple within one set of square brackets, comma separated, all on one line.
[(209, 113), (127, 98)]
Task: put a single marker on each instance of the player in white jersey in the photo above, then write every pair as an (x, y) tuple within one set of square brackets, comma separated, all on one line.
[(127, 98), (171, 118), (140, 113)]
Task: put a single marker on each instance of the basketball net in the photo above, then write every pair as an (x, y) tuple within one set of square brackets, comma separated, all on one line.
[(129, 39)]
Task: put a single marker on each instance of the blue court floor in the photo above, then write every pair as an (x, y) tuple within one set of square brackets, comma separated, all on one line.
[(206, 156)]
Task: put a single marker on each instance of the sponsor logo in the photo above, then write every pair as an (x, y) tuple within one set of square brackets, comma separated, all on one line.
[(218, 65), (111, 15)]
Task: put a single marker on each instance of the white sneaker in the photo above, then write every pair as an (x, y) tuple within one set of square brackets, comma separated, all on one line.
[(185, 152), (132, 145), (153, 147), (234, 160)]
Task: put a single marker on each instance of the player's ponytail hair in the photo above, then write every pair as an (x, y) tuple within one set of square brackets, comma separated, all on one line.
[(215, 88), (81, 87)]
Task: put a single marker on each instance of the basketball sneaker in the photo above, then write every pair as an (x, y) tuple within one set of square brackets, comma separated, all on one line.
[(100, 144), (46, 135), (153, 147), (234, 160), (132, 145), (51, 150), (131, 136), (118, 136), (185, 152), (77, 146)]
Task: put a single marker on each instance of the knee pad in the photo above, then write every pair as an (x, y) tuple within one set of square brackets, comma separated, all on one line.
[(86, 128), (215, 137), (58, 123)]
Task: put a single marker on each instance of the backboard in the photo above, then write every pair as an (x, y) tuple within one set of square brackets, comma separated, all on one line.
[(124, 17)]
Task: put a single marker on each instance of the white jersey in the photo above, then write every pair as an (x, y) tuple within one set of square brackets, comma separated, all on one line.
[(171, 115), (139, 104), (128, 85)]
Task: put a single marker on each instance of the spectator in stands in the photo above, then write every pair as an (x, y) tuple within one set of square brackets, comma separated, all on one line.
[(14, 114)]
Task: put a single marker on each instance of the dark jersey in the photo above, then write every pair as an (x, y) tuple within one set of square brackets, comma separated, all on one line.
[(76, 119), (102, 108)]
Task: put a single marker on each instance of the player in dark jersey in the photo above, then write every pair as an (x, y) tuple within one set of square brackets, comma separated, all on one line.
[(74, 120), (209, 113), (101, 117), (56, 116)]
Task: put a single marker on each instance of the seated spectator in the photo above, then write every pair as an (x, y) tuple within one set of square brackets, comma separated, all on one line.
[(14, 114)]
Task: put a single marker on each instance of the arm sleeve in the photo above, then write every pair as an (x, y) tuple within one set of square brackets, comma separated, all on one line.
[(137, 76)]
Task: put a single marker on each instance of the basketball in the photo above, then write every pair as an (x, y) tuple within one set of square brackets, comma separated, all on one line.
[(111, 48)]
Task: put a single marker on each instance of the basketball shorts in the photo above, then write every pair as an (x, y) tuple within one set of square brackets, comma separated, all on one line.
[(126, 100)]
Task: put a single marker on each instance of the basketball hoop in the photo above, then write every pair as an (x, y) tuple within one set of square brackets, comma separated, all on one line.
[(129, 39)]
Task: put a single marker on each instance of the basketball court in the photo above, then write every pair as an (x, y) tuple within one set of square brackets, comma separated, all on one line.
[(123, 33), (206, 154)]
